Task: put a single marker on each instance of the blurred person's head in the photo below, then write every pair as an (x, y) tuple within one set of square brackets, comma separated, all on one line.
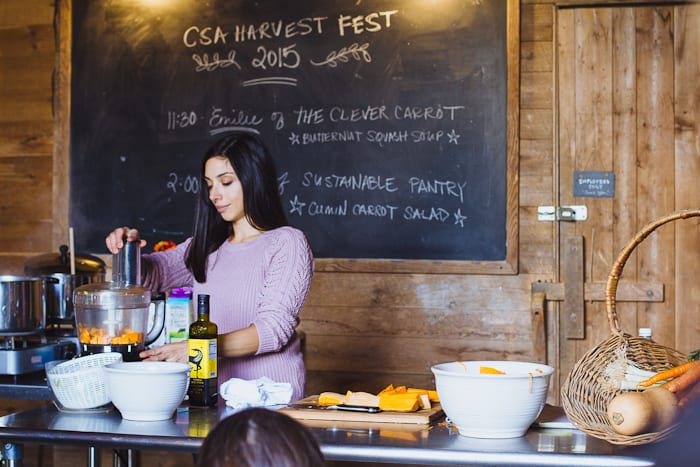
[(260, 437)]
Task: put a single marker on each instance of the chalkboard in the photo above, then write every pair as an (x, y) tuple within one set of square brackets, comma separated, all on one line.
[(391, 122)]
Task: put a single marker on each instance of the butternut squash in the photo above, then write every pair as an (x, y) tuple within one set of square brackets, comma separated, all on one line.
[(432, 394), (331, 398), (400, 402), (365, 399), (633, 413)]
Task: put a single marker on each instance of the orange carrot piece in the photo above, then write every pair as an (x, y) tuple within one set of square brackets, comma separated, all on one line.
[(686, 380), (487, 370), (674, 372)]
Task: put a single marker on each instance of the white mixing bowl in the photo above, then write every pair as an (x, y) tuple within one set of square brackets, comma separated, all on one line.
[(492, 405), (147, 391)]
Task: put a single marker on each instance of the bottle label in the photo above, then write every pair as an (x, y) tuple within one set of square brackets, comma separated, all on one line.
[(202, 358)]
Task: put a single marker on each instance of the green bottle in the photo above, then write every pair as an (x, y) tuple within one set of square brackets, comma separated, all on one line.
[(202, 353)]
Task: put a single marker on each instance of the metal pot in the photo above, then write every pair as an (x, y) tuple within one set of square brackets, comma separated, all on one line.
[(22, 305), (59, 296)]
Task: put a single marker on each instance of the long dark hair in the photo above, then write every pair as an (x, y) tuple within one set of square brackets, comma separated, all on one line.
[(255, 168), (260, 437)]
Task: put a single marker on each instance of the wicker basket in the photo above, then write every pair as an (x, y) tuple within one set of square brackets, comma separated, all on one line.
[(587, 390), (79, 384)]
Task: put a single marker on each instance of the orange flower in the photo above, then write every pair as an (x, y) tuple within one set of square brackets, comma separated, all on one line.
[(164, 245)]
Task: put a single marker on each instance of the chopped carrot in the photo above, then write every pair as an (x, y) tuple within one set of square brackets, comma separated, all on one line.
[(487, 370), (674, 372)]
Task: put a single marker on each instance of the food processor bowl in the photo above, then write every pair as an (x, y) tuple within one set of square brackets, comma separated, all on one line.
[(112, 317)]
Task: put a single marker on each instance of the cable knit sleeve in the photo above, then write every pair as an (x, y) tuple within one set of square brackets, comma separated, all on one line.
[(166, 269), (287, 280)]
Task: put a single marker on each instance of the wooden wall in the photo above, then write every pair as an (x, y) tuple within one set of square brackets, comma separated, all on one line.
[(363, 330)]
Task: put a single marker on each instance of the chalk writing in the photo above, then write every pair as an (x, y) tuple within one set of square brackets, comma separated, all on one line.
[(355, 51)]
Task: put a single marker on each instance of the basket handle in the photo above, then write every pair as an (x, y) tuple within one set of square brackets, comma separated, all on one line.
[(614, 277)]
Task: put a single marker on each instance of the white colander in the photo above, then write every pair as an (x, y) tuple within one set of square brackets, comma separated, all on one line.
[(79, 384)]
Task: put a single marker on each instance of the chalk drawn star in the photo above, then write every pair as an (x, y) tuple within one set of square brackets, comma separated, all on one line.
[(294, 138), (453, 136), (459, 218), (296, 205)]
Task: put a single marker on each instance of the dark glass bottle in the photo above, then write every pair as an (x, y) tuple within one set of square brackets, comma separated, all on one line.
[(202, 353)]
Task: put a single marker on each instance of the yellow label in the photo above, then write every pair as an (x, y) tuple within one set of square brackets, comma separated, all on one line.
[(202, 358)]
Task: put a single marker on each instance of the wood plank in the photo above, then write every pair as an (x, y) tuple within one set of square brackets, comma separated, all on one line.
[(398, 354), (536, 22), (414, 322), (13, 12), (26, 237), (536, 90), (536, 56), (537, 123), (26, 107), (27, 138), (420, 417), (420, 291), (564, 155), (539, 336), (537, 254), (573, 313), (656, 172), (687, 170), (624, 147), (594, 152), (27, 40), (535, 182), (626, 291), (61, 104), (25, 189), (29, 75)]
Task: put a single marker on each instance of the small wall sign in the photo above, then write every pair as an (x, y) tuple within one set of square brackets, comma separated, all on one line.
[(594, 184)]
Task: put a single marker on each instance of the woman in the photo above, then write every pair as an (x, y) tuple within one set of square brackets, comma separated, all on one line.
[(256, 268), (260, 437)]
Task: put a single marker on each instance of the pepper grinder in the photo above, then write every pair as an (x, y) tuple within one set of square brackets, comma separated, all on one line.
[(126, 264)]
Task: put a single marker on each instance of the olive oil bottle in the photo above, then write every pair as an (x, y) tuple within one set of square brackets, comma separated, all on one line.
[(202, 353)]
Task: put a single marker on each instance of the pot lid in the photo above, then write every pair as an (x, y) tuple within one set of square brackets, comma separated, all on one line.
[(111, 295), (51, 263)]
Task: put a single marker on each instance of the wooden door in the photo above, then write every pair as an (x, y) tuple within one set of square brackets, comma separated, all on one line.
[(628, 102)]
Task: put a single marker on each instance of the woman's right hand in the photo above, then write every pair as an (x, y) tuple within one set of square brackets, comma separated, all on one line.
[(115, 239)]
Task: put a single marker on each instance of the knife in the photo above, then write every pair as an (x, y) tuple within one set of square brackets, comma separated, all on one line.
[(348, 408)]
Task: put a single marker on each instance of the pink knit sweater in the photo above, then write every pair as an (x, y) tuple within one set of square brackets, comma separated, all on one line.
[(262, 282)]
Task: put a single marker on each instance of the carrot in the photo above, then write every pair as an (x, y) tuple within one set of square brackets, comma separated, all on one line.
[(690, 397), (684, 381), (674, 372)]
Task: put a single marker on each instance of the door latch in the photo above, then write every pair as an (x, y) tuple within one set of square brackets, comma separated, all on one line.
[(562, 213)]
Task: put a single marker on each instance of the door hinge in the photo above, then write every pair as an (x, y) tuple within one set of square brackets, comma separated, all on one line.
[(562, 213)]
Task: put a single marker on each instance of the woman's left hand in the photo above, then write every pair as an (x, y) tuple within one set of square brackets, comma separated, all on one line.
[(175, 352)]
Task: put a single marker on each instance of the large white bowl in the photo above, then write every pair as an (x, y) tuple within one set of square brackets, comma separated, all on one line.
[(488, 405), (147, 391)]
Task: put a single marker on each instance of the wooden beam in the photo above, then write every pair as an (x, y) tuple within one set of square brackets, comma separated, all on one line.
[(595, 291)]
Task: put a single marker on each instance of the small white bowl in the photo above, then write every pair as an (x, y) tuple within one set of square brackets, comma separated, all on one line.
[(492, 405), (147, 391), (79, 384)]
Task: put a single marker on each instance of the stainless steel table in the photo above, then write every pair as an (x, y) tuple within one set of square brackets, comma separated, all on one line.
[(437, 444)]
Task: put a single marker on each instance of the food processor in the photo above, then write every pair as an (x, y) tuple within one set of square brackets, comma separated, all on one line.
[(113, 316)]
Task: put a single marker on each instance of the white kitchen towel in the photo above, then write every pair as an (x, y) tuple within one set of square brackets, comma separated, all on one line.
[(241, 393)]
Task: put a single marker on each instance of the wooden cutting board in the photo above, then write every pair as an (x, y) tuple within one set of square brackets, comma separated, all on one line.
[(422, 417)]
